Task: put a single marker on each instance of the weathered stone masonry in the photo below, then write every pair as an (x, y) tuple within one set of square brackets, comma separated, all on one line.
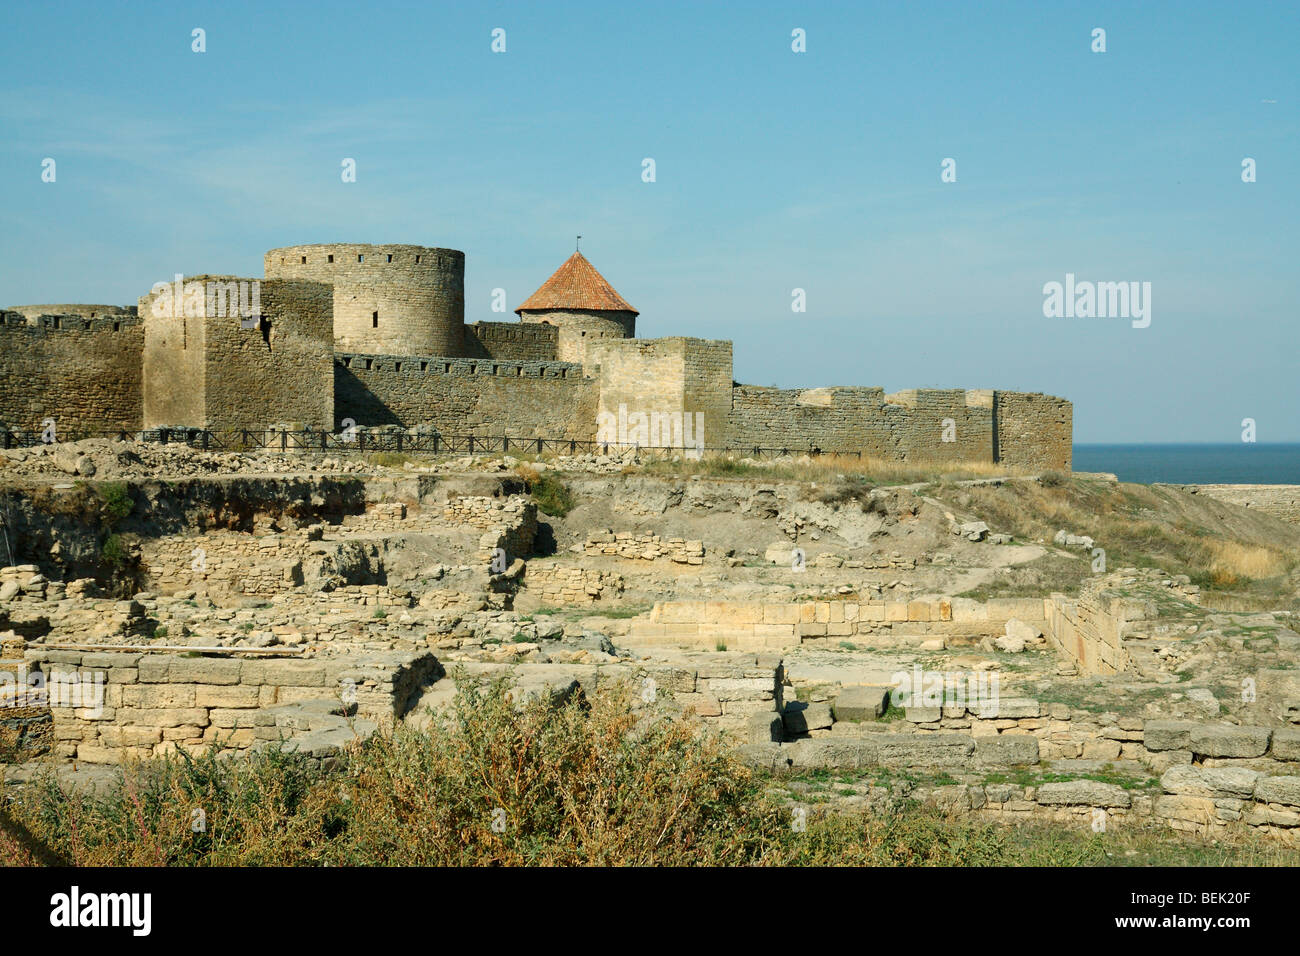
[(375, 334)]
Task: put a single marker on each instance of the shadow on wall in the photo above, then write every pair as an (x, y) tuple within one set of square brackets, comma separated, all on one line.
[(352, 399)]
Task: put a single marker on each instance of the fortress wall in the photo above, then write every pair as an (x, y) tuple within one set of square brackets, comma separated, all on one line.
[(85, 311), (466, 396), (388, 299), (798, 419), (174, 371), (951, 425), (281, 371), (644, 375), (707, 386), (512, 340), (1033, 431), (1281, 501), (212, 372), (85, 374)]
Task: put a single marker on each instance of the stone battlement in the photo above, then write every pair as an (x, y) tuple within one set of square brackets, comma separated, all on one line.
[(374, 335)]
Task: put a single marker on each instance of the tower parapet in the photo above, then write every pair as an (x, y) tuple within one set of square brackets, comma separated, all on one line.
[(397, 299)]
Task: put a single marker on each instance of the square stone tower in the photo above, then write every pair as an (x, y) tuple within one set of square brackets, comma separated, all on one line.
[(227, 353)]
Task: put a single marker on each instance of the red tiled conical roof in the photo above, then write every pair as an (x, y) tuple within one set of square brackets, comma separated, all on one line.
[(576, 285)]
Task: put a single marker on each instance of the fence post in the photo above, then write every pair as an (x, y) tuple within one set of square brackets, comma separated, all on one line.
[(284, 441), (539, 446), (323, 436), (399, 441), (471, 444), (205, 439), (505, 443), (361, 441), (436, 438)]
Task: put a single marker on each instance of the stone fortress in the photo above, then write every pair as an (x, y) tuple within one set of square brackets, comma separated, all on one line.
[(375, 335)]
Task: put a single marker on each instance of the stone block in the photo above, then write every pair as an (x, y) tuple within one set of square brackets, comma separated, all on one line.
[(1283, 790), (764, 727), (1188, 780), (1082, 793), (308, 673), (225, 696), (902, 750), (1006, 751), (203, 670), (1286, 744), (1223, 740), (1168, 734), (861, 703), (1014, 708), (801, 717)]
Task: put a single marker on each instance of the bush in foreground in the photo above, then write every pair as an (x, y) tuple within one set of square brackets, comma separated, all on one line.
[(493, 783)]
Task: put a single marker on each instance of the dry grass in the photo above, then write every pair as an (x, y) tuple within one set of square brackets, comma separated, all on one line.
[(1138, 526), (822, 468), (603, 783), (1232, 563)]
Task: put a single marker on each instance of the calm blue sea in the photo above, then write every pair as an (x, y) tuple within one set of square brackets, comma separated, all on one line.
[(1242, 463)]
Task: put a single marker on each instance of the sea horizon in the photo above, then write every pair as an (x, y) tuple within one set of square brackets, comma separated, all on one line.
[(1200, 463)]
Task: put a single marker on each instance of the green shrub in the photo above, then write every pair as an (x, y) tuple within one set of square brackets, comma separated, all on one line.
[(552, 496), (115, 501), (113, 551)]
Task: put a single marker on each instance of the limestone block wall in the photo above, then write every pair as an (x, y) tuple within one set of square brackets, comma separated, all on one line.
[(223, 563), (83, 373), (512, 341), (644, 375), (466, 396), (154, 702), (949, 425), (1091, 629), (643, 546), (1033, 431), (509, 524), (281, 372), (1281, 501), (772, 626), (800, 419), (80, 309), (398, 299), (578, 328), (554, 585), (227, 372)]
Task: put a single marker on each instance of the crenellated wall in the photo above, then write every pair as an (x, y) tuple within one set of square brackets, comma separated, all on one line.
[(466, 396), (83, 373), (387, 298), (229, 371), (376, 334), (512, 340)]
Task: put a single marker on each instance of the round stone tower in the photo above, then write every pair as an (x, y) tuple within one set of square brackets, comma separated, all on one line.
[(584, 306), (392, 300)]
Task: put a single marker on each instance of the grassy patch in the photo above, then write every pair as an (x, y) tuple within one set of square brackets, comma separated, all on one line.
[(551, 495)]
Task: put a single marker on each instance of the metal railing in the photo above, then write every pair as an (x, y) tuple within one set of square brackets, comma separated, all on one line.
[(377, 439)]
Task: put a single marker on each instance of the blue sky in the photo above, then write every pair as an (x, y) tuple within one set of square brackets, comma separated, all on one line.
[(775, 171)]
